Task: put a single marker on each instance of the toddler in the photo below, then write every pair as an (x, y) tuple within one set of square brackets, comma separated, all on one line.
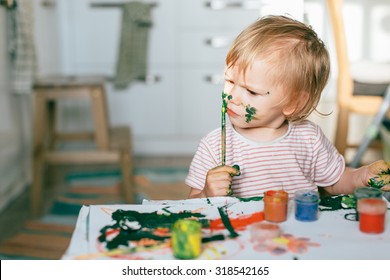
[(276, 70)]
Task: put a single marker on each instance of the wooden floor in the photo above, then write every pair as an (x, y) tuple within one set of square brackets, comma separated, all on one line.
[(14, 217)]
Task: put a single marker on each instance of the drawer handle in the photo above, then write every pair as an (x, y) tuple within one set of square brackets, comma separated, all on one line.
[(150, 79), (220, 5), (215, 79), (48, 3), (217, 42)]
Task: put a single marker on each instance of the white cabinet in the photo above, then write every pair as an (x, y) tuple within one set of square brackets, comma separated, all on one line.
[(218, 14), (188, 44), (150, 109)]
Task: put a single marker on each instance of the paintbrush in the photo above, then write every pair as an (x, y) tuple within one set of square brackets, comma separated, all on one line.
[(223, 127), (223, 135)]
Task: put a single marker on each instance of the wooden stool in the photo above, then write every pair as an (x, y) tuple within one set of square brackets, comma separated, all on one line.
[(113, 145)]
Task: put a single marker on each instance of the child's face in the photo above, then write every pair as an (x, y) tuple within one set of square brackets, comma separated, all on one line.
[(264, 99)]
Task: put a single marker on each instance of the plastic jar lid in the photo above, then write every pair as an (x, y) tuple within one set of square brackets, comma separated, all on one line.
[(307, 196), (372, 206)]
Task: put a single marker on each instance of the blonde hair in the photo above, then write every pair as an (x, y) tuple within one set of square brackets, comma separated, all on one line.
[(300, 59)]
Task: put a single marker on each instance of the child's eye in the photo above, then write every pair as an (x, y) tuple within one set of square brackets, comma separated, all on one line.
[(252, 92), (258, 93)]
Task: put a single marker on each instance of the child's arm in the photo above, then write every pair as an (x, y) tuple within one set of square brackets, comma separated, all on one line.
[(218, 181), (354, 178)]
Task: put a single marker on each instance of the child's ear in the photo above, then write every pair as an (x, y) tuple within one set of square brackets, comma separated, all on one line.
[(297, 105)]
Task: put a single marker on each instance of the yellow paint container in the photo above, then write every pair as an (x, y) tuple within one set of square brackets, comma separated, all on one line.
[(186, 239)]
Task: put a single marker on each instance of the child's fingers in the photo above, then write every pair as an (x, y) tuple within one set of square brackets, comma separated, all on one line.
[(380, 167), (386, 188), (219, 179), (219, 176), (225, 168), (379, 181)]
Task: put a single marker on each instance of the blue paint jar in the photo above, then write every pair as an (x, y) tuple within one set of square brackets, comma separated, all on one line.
[(306, 205)]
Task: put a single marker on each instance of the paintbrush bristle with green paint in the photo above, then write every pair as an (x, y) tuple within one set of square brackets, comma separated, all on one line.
[(223, 135), (223, 126)]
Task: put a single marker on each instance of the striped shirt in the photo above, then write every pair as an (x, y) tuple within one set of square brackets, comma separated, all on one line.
[(302, 158)]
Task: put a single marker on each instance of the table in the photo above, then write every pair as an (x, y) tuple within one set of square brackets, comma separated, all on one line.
[(331, 237)]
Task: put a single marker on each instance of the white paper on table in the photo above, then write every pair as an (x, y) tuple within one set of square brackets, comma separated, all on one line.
[(330, 237)]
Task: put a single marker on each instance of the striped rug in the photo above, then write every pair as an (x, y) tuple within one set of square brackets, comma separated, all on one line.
[(49, 237)]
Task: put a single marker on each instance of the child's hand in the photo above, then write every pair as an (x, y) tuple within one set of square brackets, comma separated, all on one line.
[(219, 180), (379, 175)]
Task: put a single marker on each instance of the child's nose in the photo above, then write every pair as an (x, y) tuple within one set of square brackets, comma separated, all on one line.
[(235, 96)]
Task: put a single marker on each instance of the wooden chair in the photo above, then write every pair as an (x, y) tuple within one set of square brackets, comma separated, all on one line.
[(112, 145), (360, 89)]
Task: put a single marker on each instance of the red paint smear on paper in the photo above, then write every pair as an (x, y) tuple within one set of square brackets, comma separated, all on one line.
[(238, 223)]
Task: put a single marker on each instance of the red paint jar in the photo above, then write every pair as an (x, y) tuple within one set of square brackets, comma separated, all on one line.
[(275, 206), (372, 212)]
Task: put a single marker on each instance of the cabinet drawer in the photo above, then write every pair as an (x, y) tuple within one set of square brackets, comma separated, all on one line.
[(213, 14), (200, 110), (218, 13), (150, 109), (205, 48)]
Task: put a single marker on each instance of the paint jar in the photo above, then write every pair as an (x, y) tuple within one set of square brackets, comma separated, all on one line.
[(275, 206), (372, 212), (306, 205), (186, 239), (262, 231), (365, 192)]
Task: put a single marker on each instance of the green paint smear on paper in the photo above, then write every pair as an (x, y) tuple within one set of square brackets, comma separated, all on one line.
[(217, 237), (330, 203), (334, 203), (226, 221), (253, 198), (134, 226)]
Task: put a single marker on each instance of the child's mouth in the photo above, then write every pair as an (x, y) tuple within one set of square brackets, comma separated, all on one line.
[(231, 113)]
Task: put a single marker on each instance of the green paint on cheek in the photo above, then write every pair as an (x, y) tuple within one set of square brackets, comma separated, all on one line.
[(250, 112)]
